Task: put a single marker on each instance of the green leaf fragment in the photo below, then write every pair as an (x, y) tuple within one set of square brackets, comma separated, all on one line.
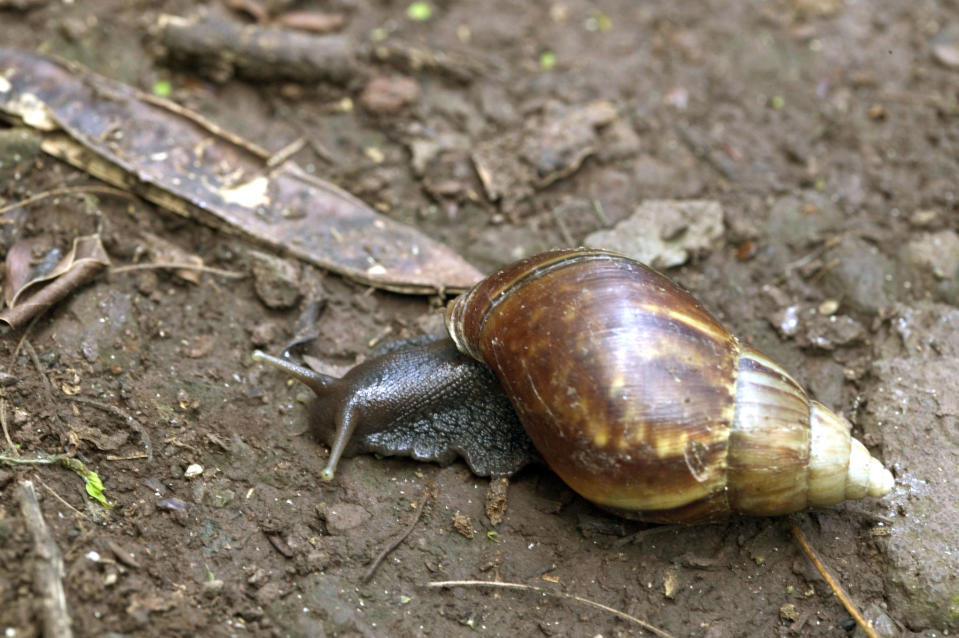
[(419, 11), (162, 88), (547, 60), (91, 480)]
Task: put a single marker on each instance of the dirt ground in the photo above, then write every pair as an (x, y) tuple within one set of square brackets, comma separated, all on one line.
[(812, 122)]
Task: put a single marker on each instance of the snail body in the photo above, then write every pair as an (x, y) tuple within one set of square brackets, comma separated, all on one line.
[(413, 399), (640, 400)]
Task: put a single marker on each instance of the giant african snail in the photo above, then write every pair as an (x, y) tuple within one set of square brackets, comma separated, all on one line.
[(630, 390)]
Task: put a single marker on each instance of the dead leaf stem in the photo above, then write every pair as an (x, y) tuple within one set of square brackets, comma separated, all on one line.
[(48, 569), (420, 508), (550, 592), (832, 582)]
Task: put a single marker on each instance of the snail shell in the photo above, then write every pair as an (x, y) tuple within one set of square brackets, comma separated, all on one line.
[(642, 402)]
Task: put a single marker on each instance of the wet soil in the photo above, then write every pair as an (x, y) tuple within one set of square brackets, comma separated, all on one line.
[(812, 123)]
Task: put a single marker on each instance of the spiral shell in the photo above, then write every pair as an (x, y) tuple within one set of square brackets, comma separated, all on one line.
[(642, 402)]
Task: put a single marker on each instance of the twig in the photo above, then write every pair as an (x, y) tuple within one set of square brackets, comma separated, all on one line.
[(203, 122), (420, 507), (59, 498), (6, 429), (133, 423), (229, 274), (48, 570), (550, 592), (68, 190), (36, 362), (563, 228), (286, 152), (600, 213), (832, 582)]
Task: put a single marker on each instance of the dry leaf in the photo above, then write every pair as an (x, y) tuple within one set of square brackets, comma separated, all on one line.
[(84, 261)]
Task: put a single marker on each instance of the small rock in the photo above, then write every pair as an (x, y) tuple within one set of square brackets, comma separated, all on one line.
[(945, 47), (317, 560), (257, 578), (193, 470), (663, 233), (619, 141), (862, 277), (220, 498), (797, 222), (212, 587), (264, 333), (341, 517), (275, 280), (147, 282), (881, 623), (924, 218), (553, 145), (463, 525), (788, 613), (172, 504), (934, 258), (828, 333), (268, 593), (389, 95), (924, 328), (828, 307)]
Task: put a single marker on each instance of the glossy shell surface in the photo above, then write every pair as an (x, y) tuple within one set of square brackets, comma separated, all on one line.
[(641, 401)]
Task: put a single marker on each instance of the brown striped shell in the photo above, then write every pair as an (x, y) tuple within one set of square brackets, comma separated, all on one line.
[(643, 403)]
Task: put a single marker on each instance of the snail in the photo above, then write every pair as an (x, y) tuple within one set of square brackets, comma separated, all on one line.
[(630, 390)]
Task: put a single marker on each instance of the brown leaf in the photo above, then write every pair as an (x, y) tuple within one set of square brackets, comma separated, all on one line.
[(283, 206), (80, 265), (18, 268)]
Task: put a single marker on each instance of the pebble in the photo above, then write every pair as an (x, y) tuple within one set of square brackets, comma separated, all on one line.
[(341, 517), (389, 95), (275, 280), (664, 233)]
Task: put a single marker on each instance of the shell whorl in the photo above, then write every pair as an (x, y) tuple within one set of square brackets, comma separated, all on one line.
[(643, 403)]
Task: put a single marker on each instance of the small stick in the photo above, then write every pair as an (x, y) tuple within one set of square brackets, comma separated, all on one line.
[(550, 592), (3, 423), (60, 498), (36, 363), (229, 274), (48, 571), (420, 507), (563, 228), (832, 582), (69, 190), (286, 152)]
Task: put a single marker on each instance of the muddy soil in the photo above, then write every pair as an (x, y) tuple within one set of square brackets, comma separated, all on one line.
[(817, 125)]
